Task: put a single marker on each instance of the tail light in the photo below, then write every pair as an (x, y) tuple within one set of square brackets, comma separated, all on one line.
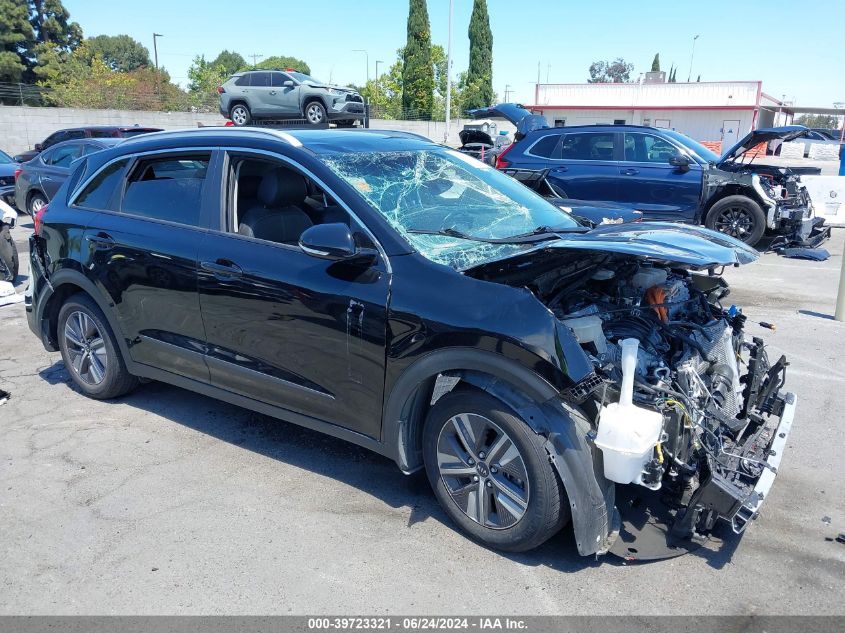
[(39, 219), (220, 90), (501, 163), (17, 173)]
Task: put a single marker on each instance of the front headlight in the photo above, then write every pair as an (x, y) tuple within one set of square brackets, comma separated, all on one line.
[(335, 93)]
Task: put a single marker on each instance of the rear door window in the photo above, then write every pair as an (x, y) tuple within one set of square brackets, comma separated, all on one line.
[(167, 188), (100, 133), (63, 156), (588, 146), (259, 80)]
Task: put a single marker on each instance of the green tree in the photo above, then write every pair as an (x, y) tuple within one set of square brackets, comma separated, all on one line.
[(479, 77), (16, 36), (417, 69), (825, 121), (655, 64), (618, 71), (119, 52), (204, 77), (280, 62), (231, 62)]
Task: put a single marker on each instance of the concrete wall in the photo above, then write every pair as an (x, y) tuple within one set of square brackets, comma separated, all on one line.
[(22, 127)]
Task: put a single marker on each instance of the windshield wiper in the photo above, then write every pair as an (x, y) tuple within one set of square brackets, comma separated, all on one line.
[(539, 234)]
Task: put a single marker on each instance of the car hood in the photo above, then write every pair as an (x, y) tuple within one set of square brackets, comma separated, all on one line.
[(763, 135), (516, 113), (475, 136), (676, 244), (330, 86)]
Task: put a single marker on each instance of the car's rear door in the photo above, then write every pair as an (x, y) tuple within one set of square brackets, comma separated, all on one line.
[(142, 253), (650, 184), (586, 166), (287, 328), (260, 99)]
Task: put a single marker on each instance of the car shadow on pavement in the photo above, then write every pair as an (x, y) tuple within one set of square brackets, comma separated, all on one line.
[(319, 453)]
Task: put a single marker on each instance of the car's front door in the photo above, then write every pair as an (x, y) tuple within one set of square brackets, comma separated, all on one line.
[(649, 183), (284, 94), (142, 253), (284, 327), (587, 167)]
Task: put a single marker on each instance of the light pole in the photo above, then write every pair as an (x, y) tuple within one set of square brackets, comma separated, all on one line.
[(449, 76), (507, 92), (378, 92), (361, 50), (692, 55), (155, 55)]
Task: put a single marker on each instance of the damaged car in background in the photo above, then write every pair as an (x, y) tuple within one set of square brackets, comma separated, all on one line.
[(666, 175), (410, 299)]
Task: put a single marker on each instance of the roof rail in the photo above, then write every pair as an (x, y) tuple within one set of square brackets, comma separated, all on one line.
[(202, 131)]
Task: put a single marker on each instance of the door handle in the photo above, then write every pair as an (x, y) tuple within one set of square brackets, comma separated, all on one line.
[(101, 241), (272, 92), (561, 168), (222, 268), (630, 172)]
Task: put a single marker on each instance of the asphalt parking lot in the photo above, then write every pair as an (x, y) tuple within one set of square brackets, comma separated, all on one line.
[(168, 502)]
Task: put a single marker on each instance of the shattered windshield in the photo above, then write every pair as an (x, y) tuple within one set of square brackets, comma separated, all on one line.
[(422, 193)]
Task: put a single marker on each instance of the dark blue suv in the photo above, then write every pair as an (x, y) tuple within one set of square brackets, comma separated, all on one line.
[(664, 174)]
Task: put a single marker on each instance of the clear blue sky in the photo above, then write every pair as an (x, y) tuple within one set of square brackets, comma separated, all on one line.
[(739, 39)]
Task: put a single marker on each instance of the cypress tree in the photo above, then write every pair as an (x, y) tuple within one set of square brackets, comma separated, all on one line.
[(417, 69), (480, 73), (655, 65)]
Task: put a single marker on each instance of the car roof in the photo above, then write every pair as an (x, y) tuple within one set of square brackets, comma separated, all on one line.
[(318, 141), (595, 127)]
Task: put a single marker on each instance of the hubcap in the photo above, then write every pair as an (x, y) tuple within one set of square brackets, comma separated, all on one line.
[(483, 471), (736, 222), (314, 113), (239, 115), (86, 349)]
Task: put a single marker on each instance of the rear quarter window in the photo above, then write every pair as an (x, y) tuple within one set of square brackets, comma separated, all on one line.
[(546, 147), (243, 80), (101, 192)]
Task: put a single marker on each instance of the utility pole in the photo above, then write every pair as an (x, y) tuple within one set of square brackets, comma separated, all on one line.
[(507, 92), (255, 58), (449, 75), (378, 92), (548, 68), (537, 89), (692, 55), (155, 55)]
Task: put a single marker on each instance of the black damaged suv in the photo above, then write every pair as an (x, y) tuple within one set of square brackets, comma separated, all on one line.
[(402, 296)]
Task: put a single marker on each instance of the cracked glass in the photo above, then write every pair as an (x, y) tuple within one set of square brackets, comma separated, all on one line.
[(441, 189)]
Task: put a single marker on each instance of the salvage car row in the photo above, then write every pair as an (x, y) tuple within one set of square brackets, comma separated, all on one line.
[(405, 297)]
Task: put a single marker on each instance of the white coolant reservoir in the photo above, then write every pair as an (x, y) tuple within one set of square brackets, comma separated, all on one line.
[(627, 433), (587, 329)]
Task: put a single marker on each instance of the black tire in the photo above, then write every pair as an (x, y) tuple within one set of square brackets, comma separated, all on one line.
[(542, 499), (315, 113), (9, 256), (116, 380), (739, 217), (240, 115), (36, 201)]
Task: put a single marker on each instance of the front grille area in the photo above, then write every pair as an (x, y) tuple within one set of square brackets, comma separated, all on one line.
[(354, 97)]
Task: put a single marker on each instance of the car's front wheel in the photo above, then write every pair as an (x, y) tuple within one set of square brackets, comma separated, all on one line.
[(739, 217), (90, 351), (315, 113), (491, 473), (240, 115)]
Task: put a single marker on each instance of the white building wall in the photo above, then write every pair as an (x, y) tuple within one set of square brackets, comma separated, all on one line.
[(701, 125), (740, 93)]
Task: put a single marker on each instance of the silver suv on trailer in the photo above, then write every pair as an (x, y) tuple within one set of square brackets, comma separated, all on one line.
[(288, 94)]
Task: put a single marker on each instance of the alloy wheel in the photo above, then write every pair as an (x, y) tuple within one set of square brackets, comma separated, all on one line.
[(314, 113), (483, 471), (735, 221), (86, 348), (239, 115), (36, 204)]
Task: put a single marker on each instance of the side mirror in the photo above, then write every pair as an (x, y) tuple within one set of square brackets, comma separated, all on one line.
[(681, 161), (38, 147), (287, 83), (335, 243)]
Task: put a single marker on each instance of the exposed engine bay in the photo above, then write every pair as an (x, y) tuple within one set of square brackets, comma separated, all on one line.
[(699, 416)]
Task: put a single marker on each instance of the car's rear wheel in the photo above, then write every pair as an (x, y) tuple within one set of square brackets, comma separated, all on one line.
[(37, 201), (739, 217), (491, 473), (240, 115), (8, 255), (315, 113), (90, 351)]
